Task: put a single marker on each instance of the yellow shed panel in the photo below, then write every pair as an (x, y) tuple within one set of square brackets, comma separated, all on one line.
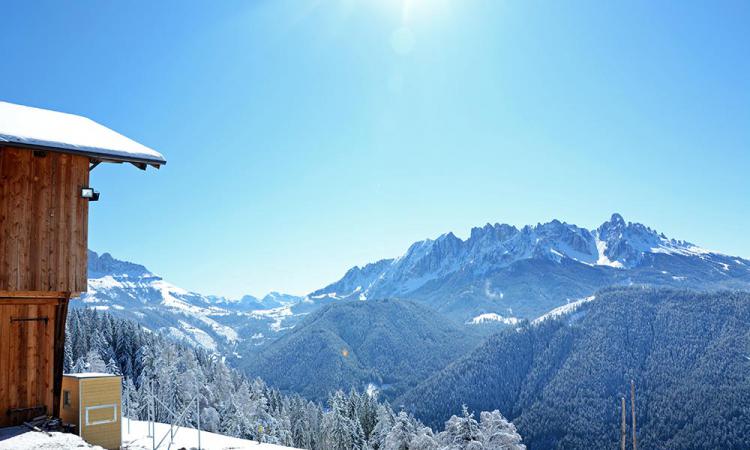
[(69, 401), (99, 408)]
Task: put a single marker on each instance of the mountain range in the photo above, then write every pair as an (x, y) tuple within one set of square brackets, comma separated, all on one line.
[(499, 276), (227, 326), (504, 273)]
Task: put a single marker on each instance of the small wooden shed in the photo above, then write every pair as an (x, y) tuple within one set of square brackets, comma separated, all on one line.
[(45, 160), (92, 402)]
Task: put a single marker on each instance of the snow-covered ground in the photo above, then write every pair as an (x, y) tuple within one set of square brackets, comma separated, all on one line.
[(493, 317), (138, 439), (278, 314), (21, 438), (564, 309)]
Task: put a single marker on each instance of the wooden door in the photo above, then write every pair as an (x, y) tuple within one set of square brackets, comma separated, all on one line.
[(27, 359)]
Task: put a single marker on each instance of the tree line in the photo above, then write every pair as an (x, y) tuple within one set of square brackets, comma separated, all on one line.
[(153, 364)]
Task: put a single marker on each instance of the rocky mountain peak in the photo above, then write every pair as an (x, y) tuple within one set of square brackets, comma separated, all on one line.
[(105, 264), (608, 252)]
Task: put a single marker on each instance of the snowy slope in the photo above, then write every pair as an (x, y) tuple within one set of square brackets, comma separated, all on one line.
[(135, 437), (560, 311), (219, 324), (21, 438), (493, 317)]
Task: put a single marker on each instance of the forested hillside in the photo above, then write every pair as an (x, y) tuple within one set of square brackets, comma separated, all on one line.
[(390, 345), (237, 406), (561, 381)]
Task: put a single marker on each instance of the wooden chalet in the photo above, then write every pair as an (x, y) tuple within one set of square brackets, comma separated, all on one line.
[(45, 160)]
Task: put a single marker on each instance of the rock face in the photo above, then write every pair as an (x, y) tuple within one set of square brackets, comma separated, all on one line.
[(525, 272)]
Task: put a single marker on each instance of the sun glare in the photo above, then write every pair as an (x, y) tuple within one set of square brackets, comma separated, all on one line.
[(406, 8), (409, 11)]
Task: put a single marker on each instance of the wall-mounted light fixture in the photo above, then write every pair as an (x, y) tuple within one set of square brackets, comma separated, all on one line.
[(89, 194)]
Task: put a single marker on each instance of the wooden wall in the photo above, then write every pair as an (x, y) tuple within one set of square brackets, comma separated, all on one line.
[(29, 363), (43, 221)]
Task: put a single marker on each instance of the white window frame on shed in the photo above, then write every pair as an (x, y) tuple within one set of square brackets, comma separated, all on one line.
[(102, 422)]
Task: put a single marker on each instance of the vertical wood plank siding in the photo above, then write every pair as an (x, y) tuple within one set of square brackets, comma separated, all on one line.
[(43, 256), (43, 221)]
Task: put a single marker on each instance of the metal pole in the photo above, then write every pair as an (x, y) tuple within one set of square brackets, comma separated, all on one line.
[(632, 406), (153, 417), (127, 399), (198, 405), (623, 428)]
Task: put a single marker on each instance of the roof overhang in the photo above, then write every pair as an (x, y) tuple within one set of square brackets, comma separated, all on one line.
[(41, 129), (95, 154)]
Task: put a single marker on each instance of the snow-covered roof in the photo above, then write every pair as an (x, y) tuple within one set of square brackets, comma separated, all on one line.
[(89, 375), (41, 128)]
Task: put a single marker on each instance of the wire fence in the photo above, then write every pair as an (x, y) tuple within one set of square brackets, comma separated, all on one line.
[(176, 419)]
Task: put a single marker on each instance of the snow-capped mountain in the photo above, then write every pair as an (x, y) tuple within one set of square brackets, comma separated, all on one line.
[(525, 272), (217, 323), (499, 275)]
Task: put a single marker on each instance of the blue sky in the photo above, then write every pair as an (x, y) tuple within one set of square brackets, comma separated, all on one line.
[(305, 137)]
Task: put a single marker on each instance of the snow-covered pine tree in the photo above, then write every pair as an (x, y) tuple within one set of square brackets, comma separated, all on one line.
[(101, 344), (79, 366), (77, 336), (130, 400), (386, 419), (301, 424), (401, 434), (313, 421), (283, 432), (338, 431), (112, 367), (352, 405), (499, 433), (236, 416), (94, 362), (461, 433), (368, 413), (424, 439), (68, 361), (210, 419)]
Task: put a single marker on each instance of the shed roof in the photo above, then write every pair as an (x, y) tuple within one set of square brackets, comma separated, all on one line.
[(25, 126), (89, 375)]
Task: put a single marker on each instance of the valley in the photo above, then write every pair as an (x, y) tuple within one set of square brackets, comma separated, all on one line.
[(508, 319)]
